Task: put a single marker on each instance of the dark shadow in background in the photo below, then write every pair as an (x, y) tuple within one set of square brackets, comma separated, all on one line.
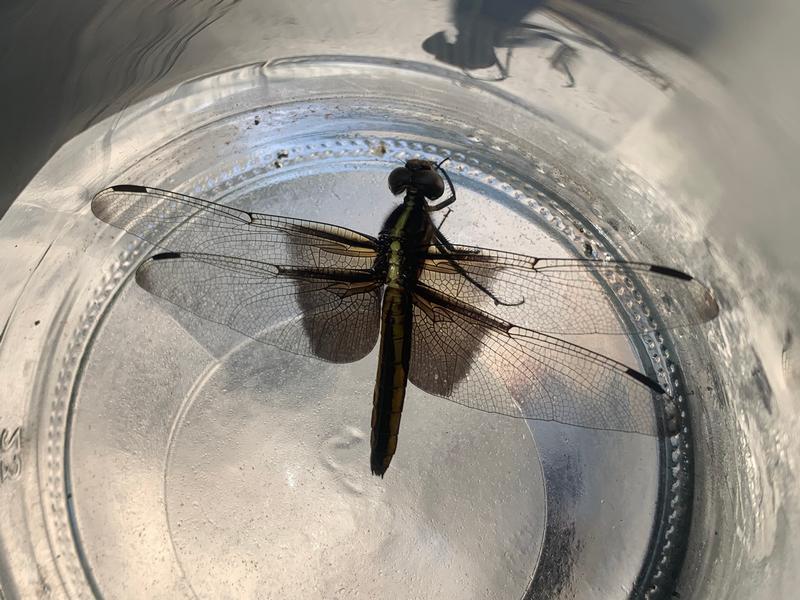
[(488, 32), (66, 65), (482, 33), (481, 26)]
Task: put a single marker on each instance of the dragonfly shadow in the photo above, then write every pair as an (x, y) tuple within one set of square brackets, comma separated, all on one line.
[(485, 28)]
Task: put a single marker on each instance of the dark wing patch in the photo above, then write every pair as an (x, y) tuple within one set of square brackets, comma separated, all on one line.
[(474, 359), (329, 314), (302, 286)]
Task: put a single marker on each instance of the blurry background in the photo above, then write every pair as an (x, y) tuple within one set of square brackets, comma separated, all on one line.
[(732, 146)]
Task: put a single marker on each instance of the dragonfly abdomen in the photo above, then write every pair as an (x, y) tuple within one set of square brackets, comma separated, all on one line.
[(390, 384)]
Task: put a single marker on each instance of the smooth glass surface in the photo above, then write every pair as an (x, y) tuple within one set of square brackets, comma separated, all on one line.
[(149, 453)]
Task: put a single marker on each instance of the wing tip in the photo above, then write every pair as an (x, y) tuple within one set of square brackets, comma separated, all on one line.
[(144, 274), (129, 187), (709, 309), (103, 205), (670, 272), (166, 256), (645, 380)]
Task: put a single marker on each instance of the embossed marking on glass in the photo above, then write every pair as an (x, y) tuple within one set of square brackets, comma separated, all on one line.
[(449, 316)]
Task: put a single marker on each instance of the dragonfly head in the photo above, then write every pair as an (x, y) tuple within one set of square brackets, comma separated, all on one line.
[(418, 176)]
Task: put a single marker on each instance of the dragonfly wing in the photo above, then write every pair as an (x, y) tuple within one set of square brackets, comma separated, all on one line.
[(327, 313), (181, 223), (569, 296), (475, 359)]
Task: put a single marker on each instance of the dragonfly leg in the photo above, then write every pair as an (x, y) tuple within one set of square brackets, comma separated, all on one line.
[(449, 247), (443, 240), (446, 248), (451, 198), (563, 54), (505, 69), (443, 204), (444, 218), (560, 62)]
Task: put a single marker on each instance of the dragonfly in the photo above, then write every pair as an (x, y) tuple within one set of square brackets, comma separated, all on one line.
[(480, 327)]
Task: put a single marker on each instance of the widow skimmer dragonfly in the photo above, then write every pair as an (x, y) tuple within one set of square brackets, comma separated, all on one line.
[(445, 315)]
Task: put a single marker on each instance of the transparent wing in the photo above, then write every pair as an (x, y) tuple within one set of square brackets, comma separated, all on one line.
[(183, 223), (474, 359), (333, 315), (568, 296)]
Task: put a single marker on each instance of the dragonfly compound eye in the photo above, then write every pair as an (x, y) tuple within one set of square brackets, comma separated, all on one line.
[(399, 180), (429, 183)]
